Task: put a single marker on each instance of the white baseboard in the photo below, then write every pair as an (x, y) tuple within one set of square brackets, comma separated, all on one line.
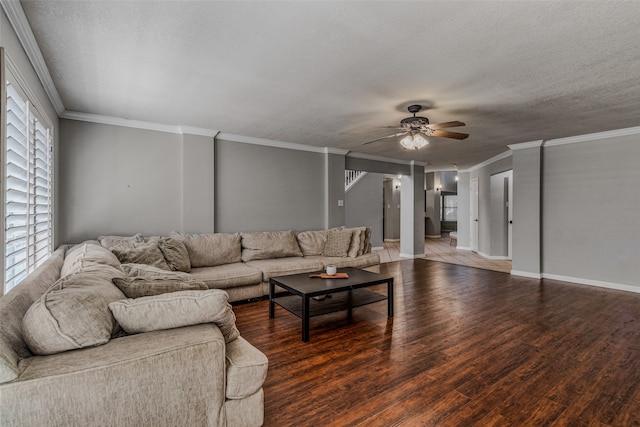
[(377, 248), (497, 258), (433, 236), (590, 282), (392, 240), (526, 274), (411, 256), (463, 248)]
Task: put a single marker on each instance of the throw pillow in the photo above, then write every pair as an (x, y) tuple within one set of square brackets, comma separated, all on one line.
[(367, 240), (355, 246), (175, 253), (111, 241), (72, 314), (269, 245), (208, 250), (312, 242), (175, 310), (142, 253), (338, 242), (135, 270), (136, 287)]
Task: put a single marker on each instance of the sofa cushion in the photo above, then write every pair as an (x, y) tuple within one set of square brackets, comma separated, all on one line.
[(85, 254), (73, 313), (312, 242), (175, 254), (175, 310), (135, 270), (111, 241), (364, 260), (246, 369), (208, 250), (285, 266), (338, 242), (142, 286), (269, 245), (141, 253), (227, 276)]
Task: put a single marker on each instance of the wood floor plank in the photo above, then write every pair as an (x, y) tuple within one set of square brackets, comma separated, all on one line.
[(466, 347)]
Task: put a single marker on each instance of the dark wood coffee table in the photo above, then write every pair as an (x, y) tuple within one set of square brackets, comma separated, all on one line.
[(345, 294)]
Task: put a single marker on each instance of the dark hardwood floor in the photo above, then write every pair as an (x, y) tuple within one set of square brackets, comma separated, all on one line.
[(467, 347)]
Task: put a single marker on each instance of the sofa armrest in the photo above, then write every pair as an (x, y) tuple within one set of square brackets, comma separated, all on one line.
[(246, 369), (169, 377)]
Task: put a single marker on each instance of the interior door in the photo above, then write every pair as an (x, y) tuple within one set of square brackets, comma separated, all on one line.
[(473, 238)]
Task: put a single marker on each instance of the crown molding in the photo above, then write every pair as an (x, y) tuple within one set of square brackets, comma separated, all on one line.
[(593, 136), (117, 121), (198, 131), (378, 158), (331, 150), (17, 18), (269, 143), (137, 124), (523, 145), (487, 162)]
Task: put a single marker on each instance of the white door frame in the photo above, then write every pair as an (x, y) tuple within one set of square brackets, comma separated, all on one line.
[(510, 217), (473, 215)]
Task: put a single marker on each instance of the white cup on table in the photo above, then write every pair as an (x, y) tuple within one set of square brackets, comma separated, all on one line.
[(331, 270)]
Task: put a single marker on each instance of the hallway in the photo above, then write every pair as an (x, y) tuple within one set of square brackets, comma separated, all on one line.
[(441, 250)]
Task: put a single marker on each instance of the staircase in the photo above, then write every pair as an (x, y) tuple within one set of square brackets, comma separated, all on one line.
[(351, 177)]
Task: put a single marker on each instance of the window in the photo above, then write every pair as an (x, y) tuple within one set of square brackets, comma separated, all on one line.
[(28, 237), (449, 207)]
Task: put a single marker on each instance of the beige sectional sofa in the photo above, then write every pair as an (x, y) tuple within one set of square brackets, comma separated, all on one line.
[(64, 360), (242, 263), (130, 331)]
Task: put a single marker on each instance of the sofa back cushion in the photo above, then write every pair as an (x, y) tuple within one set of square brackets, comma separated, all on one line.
[(269, 245), (74, 313), (312, 242), (208, 250), (86, 254), (175, 253), (338, 243), (111, 241), (141, 253)]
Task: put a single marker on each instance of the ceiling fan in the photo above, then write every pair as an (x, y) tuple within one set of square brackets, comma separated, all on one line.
[(416, 128)]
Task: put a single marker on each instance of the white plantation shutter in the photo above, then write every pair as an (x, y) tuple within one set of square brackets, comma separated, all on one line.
[(28, 166)]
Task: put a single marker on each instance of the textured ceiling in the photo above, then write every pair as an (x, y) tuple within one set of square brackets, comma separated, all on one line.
[(333, 73)]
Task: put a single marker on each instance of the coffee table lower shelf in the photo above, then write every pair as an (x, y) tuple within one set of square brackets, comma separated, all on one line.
[(339, 301)]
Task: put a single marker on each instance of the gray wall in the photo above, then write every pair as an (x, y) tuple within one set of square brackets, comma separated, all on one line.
[(526, 211), (464, 226), (260, 188), (484, 202), (499, 214), (392, 209), (591, 205), (335, 190), (118, 180), (364, 206), (198, 180)]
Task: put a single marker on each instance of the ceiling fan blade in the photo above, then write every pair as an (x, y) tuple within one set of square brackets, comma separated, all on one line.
[(447, 134), (445, 125), (385, 137)]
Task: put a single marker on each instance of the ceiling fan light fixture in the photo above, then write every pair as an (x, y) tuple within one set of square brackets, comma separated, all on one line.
[(414, 142)]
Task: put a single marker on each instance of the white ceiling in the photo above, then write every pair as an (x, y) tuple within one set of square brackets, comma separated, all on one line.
[(333, 73)]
